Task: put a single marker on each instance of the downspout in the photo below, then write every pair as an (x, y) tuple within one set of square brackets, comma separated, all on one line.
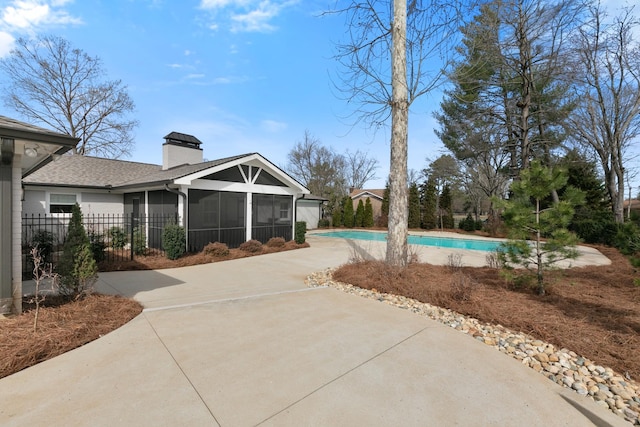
[(184, 211)]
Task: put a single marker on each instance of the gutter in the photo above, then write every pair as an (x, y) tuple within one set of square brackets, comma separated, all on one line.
[(184, 201)]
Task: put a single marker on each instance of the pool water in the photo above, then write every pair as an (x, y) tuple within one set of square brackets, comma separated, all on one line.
[(441, 242)]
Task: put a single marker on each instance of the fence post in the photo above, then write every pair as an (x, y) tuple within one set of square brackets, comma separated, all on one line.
[(131, 237)]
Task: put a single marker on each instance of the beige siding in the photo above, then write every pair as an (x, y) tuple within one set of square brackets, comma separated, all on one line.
[(34, 202), (308, 212), (102, 203)]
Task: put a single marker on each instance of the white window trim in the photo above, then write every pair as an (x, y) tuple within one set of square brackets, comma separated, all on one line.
[(57, 214)]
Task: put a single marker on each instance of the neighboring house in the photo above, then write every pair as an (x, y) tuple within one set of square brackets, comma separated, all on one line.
[(229, 200), (24, 148), (375, 196)]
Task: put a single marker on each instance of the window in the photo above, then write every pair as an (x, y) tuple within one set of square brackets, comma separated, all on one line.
[(284, 210), (61, 203)]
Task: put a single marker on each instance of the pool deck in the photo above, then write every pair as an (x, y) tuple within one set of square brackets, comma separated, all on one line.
[(371, 249)]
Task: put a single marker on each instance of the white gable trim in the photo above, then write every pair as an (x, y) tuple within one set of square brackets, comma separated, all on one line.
[(366, 194), (253, 161)]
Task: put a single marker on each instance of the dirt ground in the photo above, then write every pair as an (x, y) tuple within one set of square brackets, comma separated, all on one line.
[(63, 325), (594, 311)]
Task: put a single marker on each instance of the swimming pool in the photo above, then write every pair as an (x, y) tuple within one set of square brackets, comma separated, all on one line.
[(441, 242)]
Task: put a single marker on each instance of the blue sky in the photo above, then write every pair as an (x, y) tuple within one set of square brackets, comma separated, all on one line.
[(240, 75)]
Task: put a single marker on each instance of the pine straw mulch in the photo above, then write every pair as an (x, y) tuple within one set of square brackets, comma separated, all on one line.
[(594, 311), (62, 326), (159, 261)]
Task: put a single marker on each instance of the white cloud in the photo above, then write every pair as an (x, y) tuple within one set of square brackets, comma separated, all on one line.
[(272, 126), (245, 15), (6, 43), (195, 76), (27, 17)]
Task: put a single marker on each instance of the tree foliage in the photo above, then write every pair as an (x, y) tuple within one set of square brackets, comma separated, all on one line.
[(607, 86), (348, 216), (429, 201), (360, 168), (359, 217), (368, 214), (538, 235), (54, 84), (77, 268), (414, 206), (445, 211)]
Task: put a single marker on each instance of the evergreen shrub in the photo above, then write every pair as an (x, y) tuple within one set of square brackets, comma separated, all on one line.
[(174, 241)]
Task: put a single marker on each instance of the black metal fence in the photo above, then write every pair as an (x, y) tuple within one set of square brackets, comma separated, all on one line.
[(113, 238)]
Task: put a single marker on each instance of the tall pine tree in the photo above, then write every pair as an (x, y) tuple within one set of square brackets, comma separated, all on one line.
[(429, 203), (414, 206), (368, 214), (359, 219)]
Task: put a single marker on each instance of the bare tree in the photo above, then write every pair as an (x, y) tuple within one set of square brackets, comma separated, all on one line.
[(317, 167), (360, 168), (383, 87), (607, 118), (53, 84)]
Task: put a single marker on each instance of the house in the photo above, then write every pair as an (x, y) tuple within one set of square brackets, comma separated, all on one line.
[(229, 200), (374, 196), (24, 149)]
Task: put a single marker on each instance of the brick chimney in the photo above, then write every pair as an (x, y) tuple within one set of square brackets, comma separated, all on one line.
[(180, 149)]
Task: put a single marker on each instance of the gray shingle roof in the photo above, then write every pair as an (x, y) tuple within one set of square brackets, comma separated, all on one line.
[(86, 171), (18, 129)]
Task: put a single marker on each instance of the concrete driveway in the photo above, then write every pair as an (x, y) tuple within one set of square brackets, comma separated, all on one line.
[(245, 343)]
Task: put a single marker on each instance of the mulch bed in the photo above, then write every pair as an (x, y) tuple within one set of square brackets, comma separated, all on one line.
[(62, 326)]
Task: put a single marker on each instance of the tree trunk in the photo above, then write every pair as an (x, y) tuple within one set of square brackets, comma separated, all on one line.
[(398, 210)]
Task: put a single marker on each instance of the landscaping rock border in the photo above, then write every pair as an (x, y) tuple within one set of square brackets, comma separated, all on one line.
[(607, 388)]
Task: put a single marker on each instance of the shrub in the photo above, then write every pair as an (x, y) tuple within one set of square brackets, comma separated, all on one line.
[(216, 249), (139, 241), (98, 245), (275, 242), (468, 223), (251, 246), (324, 223), (44, 240), (300, 231), (627, 238), (117, 237), (174, 241), (77, 266), (336, 217)]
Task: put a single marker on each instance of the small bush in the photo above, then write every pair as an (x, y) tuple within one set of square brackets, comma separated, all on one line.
[(275, 242), (216, 249), (44, 240), (467, 224), (174, 241), (627, 239), (117, 237), (462, 286), (324, 223), (301, 230), (98, 245), (139, 241), (251, 246)]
